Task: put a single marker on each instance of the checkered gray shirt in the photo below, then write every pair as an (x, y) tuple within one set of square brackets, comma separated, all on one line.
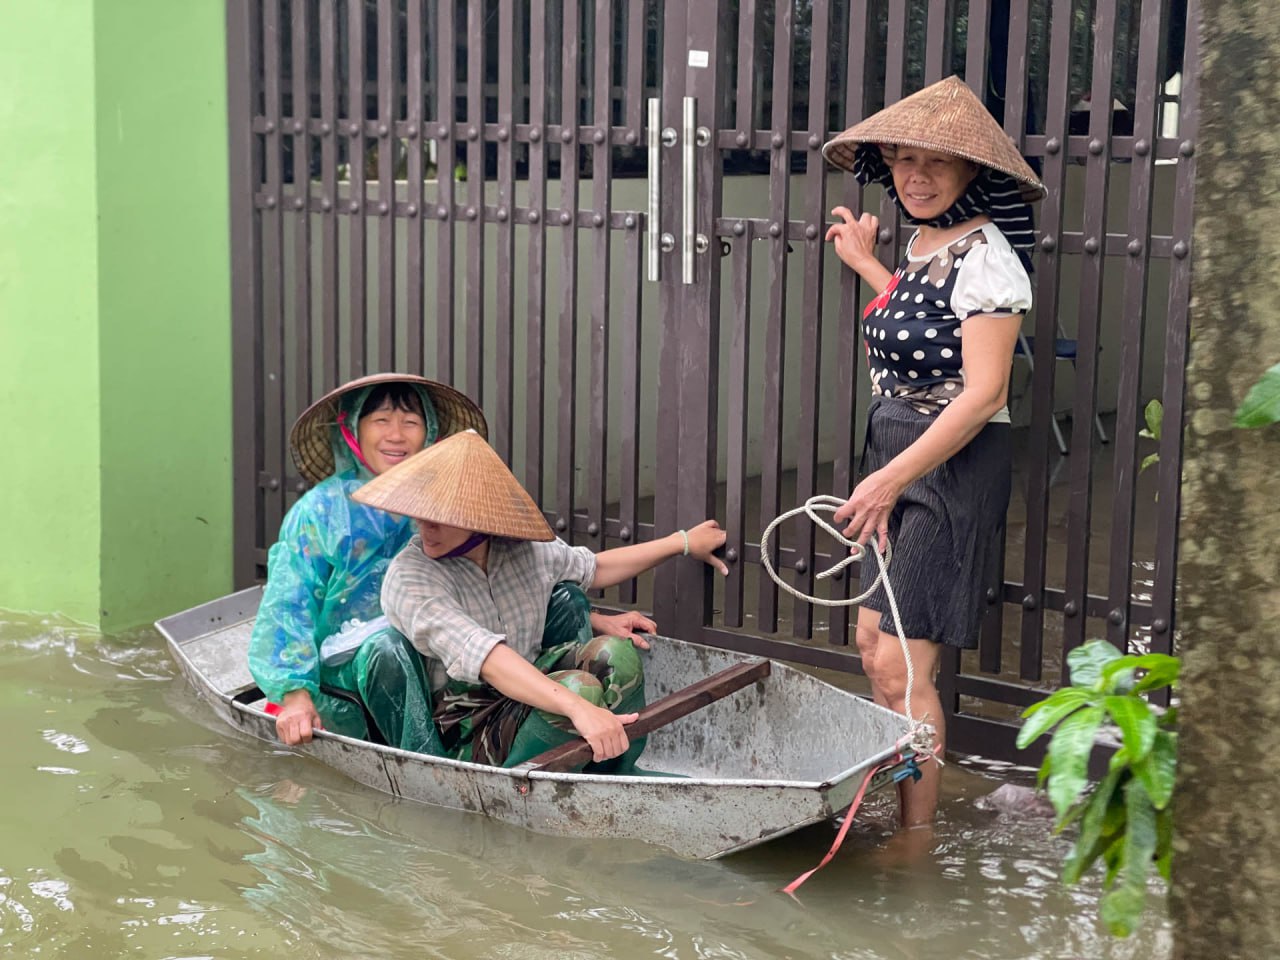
[(455, 613)]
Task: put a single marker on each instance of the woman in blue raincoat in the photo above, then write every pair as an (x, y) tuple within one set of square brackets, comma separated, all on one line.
[(324, 573)]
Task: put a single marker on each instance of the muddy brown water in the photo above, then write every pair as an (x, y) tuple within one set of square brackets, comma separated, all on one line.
[(136, 825)]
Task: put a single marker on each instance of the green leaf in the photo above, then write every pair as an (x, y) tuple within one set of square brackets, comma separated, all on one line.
[(1162, 671), (1154, 415), (1045, 767), (1093, 839), (1164, 843), (1262, 404), (1150, 460), (1087, 662), (1069, 752), (1137, 724), (1043, 715), (1122, 908), (1169, 719), (1157, 769)]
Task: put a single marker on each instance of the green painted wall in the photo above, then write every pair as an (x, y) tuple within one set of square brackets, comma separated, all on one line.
[(114, 308), (164, 303), (49, 494)]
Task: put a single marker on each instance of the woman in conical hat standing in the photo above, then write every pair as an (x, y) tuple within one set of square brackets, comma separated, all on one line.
[(939, 342), (515, 669), (325, 570)]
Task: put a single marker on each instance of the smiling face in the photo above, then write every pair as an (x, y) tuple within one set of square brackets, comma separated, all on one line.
[(439, 539), (388, 435), (928, 182)]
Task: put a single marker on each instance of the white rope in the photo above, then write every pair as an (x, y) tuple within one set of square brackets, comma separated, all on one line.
[(923, 734)]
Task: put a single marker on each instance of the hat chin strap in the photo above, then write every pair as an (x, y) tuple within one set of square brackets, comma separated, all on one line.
[(351, 440), (466, 546)]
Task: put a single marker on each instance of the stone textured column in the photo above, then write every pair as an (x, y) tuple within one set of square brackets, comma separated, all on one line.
[(1227, 861)]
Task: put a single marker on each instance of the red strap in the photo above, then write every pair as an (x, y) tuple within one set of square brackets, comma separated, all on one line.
[(794, 885)]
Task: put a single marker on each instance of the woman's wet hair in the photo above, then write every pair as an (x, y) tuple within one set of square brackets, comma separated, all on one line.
[(403, 397)]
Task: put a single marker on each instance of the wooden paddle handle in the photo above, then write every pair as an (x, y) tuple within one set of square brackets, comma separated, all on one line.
[(673, 706)]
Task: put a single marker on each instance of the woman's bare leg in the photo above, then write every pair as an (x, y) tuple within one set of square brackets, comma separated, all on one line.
[(867, 636), (919, 799)]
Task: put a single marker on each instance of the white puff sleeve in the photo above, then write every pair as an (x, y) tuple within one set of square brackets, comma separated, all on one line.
[(991, 280)]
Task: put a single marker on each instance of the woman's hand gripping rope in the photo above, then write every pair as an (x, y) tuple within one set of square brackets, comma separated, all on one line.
[(922, 734)]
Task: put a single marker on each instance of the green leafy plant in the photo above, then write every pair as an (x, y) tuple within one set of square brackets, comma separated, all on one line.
[(1262, 403), (1154, 415), (1125, 820)]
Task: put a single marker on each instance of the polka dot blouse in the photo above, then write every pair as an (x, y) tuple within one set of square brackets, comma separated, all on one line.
[(913, 330)]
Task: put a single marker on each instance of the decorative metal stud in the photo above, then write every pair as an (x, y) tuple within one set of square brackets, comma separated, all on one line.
[(885, 235), (411, 209), (776, 141), (1095, 147), (811, 232), (1141, 148), (1048, 244), (629, 221), (534, 216), (598, 137), (566, 135), (503, 134), (775, 230), (1091, 245), (631, 138), (472, 133), (815, 141), (535, 134), (1135, 247), (443, 132), (326, 128), (561, 525), (271, 203), (326, 204), (355, 206), (593, 528), (1187, 148), (739, 228), (502, 214), (597, 220), (442, 213), (565, 217), (1116, 616), (297, 126), (801, 565), (624, 533), (731, 555), (1028, 602), (1180, 249), (411, 132), (741, 139), (1160, 626), (1052, 146), (1070, 608), (471, 213), (384, 208), (298, 203), (269, 126)]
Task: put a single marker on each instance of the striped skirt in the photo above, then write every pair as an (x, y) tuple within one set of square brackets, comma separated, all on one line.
[(945, 528)]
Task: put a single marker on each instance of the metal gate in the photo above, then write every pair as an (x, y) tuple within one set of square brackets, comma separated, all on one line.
[(605, 222)]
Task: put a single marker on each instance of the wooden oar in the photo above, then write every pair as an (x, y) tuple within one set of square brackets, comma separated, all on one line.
[(673, 706)]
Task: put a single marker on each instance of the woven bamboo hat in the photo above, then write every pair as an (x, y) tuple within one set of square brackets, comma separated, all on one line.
[(311, 439), (947, 117), (460, 482)]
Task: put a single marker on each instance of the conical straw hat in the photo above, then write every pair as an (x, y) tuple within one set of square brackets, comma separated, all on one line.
[(310, 441), (460, 482), (947, 117)]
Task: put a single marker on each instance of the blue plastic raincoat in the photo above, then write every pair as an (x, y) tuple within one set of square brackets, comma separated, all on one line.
[(324, 571)]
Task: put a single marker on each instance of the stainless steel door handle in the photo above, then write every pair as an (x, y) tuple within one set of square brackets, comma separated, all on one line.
[(687, 204), (655, 161)]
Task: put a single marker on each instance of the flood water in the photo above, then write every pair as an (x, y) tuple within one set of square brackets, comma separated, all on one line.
[(136, 825)]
